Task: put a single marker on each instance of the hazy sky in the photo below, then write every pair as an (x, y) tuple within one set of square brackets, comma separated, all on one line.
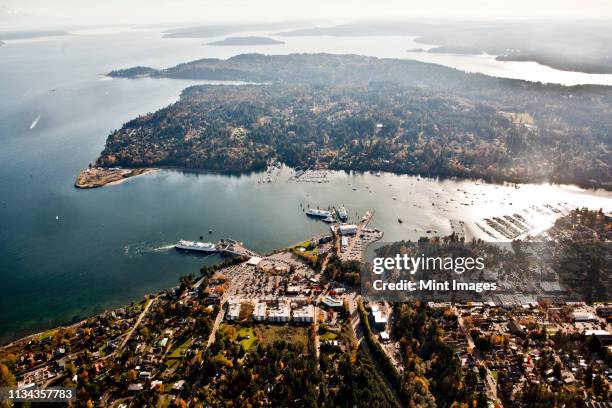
[(156, 11)]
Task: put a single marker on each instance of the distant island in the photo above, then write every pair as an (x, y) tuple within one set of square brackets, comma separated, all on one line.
[(247, 41), (217, 30), (582, 46), (351, 112), (26, 35)]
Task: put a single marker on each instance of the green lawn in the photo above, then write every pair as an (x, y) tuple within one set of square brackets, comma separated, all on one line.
[(180, 350), (48, 333), (328, 336), (305, 245), (242, 333)]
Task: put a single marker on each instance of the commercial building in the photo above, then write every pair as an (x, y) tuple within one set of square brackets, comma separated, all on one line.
[(348, 229), (254, 261), (294, 290), (344, 243), (603, 336), (259, 312), (380, 320), (279, 314), (233, 311), (331, 302), (582, 317), (304, 314)]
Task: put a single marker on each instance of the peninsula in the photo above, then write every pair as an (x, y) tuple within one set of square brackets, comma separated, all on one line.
[(97, 177), (349, 112)]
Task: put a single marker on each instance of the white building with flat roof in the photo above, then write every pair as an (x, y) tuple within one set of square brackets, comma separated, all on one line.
[(304, 314), (582, 316), (279, 314), (347, 229), (233, 311), (331, 302), (344, 243), (259, 312), (294, 289), (254, 261), (380, 320)]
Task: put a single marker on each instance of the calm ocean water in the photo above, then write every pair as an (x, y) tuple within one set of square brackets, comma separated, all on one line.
[(112, 245)]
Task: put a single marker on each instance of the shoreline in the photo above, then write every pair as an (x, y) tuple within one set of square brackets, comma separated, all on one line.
[(96, 177), (122, 175)]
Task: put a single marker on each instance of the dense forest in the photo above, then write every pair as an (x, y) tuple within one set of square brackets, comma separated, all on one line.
[(360, 113)]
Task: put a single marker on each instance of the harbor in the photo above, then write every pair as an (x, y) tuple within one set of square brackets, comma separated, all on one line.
[(129, 255)]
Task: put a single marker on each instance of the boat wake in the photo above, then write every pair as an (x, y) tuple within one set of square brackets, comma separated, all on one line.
[(35, 122), (143, 248), (164, 248)]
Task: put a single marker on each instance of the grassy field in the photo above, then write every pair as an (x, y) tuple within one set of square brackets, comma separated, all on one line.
[(328, 336), (48, 333), (180, 350), (268, 334), (247, 337), (305, 245)]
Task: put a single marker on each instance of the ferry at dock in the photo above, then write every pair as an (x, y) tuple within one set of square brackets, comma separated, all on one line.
[(312, 212), (196, 246)]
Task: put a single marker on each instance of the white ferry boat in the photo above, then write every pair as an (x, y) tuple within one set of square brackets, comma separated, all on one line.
[(196, 246), (312, 212)]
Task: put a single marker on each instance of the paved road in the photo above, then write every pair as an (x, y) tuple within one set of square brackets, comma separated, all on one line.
[(218, 320), (132, 330), (138, 321), (317, 340)]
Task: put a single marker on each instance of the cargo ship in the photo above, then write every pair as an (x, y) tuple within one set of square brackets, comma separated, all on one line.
[(195, 246)]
